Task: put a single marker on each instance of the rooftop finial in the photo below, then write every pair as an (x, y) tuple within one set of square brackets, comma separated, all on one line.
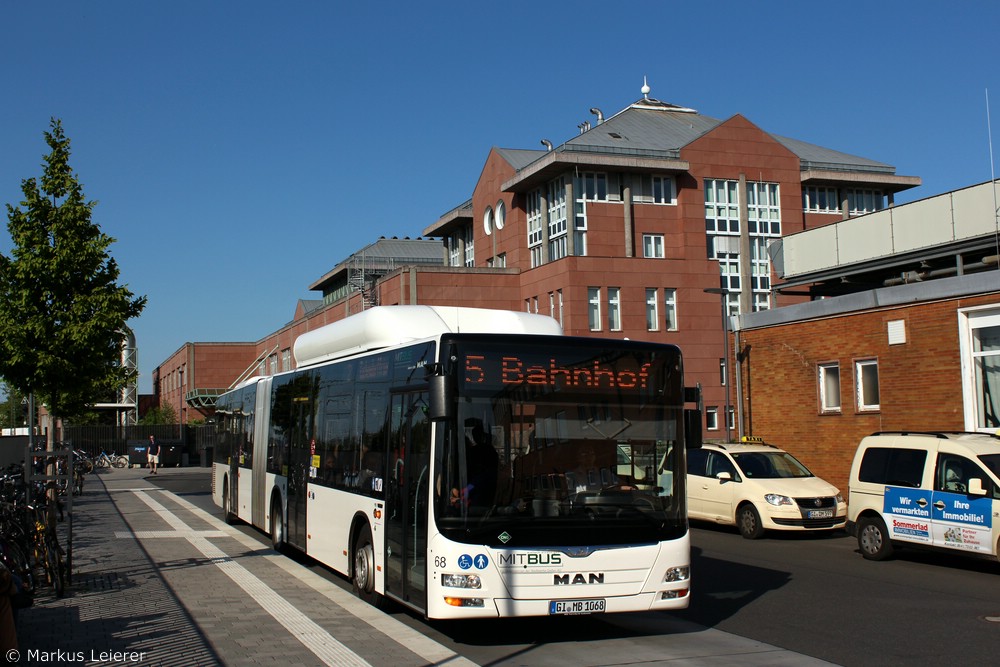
[(645, 88)]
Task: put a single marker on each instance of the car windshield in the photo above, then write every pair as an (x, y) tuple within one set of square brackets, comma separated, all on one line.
[(770, 465), (992, 462)]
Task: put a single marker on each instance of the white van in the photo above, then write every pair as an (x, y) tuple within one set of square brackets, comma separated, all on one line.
[(939, 490)]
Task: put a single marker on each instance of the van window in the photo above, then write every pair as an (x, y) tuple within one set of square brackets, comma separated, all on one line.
[(895, 467), (954, 473)]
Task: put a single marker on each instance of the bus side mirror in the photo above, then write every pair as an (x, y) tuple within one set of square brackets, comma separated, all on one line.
[(976, 487), (692, 429), (441, 400)]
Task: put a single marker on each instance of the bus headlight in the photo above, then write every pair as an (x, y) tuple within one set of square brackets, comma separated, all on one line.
[(679, 573), (461, 581)]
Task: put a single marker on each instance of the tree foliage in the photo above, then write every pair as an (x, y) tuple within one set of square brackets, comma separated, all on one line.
[(162, 414), (62, 314)]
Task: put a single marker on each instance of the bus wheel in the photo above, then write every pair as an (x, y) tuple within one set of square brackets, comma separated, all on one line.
[(363, 572), (227, 510), (277, 526)]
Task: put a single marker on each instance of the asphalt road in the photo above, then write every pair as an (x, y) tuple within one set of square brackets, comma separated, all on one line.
[(812, 594)]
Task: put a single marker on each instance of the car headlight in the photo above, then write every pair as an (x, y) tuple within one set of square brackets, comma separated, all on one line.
[(776, 499), (840, 498)]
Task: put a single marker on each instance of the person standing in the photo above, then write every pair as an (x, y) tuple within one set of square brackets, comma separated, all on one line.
[(153, 454)]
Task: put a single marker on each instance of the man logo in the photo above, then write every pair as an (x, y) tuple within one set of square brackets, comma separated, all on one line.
[(589, 578)]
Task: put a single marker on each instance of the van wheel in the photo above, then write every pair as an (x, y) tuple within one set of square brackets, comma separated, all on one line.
[(748, 521), (873, 539), (363, 572)]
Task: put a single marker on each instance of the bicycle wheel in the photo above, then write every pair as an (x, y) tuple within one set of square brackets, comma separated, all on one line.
[(54, 569), (121, 462), (103, 462)]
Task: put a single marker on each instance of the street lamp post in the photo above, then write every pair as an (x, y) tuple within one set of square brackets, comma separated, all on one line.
[(723, 293)]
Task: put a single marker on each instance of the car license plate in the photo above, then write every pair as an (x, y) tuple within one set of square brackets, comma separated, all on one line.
[(820, 514), (577, 606)]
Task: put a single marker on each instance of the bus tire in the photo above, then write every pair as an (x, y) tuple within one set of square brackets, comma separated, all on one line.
[(277, 525), (363, 569), (227, 502)]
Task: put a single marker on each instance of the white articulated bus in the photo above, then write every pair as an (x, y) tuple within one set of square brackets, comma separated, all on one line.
[(470, 463)]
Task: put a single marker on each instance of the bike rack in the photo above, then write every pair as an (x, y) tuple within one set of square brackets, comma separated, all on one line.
[(52, 457)]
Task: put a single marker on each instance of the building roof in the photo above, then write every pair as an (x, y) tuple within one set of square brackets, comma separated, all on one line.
[(385, 254), (649, 135)]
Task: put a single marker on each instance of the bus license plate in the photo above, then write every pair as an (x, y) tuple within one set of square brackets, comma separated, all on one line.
[(820, 514), (576, 606)]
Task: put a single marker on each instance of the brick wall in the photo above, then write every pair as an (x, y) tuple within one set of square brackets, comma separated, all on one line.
[(920, 384)]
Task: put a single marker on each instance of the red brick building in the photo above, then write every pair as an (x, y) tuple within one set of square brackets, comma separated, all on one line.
[(912, 342), (617, 232)]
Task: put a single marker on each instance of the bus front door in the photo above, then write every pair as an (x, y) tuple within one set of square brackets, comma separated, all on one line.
[(406, 500)]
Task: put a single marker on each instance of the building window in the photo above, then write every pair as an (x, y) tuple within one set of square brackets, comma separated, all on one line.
[(591, 186), (866, 377), (652, 246), (533, 212), (722, 371), (273, 364), (712, 418), (860, 202), (559, 301), (722, 227), (488, 221), (558, 225), (614, 309), (829, 387), (820, 200), (501, 215), (470, 247), (722, 206), (653, 189), (286, 359), (980, 348), (670, 308), (594, 307), (454, 247), (652, 309), (763, 209)]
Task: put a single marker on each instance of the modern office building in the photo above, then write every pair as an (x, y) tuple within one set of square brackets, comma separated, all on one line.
[(648, 223)]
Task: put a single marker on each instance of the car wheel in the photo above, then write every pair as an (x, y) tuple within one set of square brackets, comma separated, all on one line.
[(363, 572), (748, 521), (873, 539)]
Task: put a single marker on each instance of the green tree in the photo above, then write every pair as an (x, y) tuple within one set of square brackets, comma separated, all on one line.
[(62, 313), (163, 414)]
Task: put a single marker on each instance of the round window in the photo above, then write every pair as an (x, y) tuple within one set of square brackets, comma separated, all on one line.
[(488, 221), (501, 214)]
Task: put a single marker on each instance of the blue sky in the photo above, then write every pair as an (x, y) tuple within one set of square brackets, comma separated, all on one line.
[(239, 150)]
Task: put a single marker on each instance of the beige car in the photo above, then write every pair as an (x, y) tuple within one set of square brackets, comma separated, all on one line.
[(758, 487)]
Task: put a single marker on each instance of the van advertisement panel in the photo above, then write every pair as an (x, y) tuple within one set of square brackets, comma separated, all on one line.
[(907, 513), (963, 522)]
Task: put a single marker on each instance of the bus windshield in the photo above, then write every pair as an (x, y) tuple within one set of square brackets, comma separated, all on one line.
[(562, 442)]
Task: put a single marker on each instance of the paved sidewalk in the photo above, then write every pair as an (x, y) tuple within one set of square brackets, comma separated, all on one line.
[(157, 581)]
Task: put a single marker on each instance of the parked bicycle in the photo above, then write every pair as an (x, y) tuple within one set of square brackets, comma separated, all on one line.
[(105, 460)]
